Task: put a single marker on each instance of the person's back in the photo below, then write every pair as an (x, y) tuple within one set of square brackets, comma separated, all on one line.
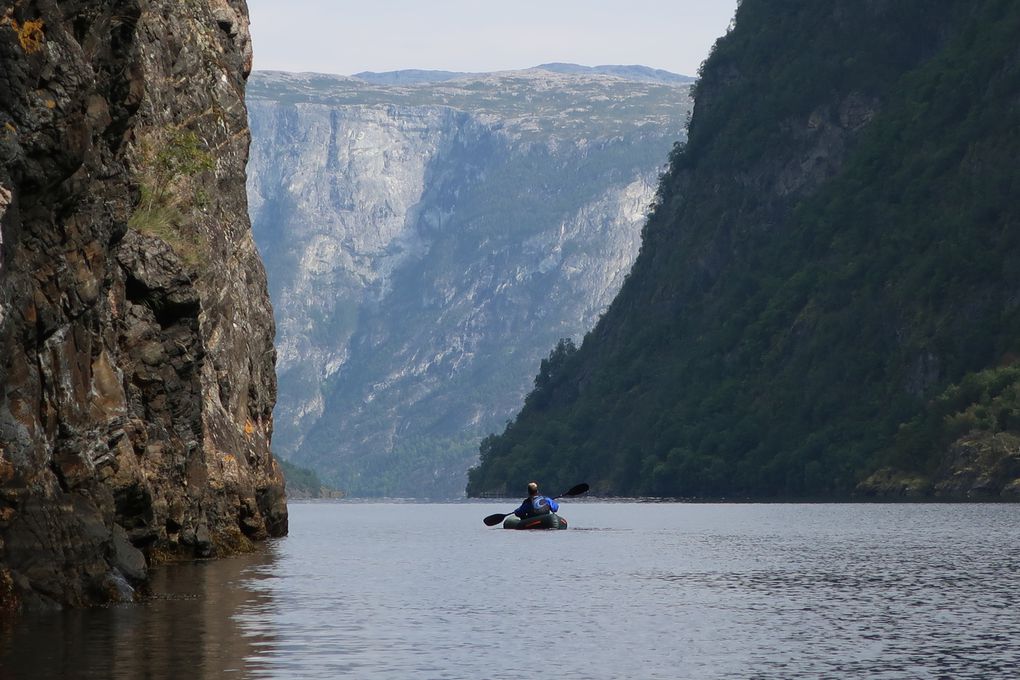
[(536, 504)]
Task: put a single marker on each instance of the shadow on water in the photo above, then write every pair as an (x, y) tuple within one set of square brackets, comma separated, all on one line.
[(187, 628)]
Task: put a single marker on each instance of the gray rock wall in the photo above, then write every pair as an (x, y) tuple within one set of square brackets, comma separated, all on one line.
[(427, 246), (137, 365)]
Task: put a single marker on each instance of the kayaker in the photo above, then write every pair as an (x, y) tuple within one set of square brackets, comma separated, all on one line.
[(536, 504)]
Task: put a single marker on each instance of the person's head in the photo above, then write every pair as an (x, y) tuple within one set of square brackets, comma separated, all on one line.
[(532, 488)]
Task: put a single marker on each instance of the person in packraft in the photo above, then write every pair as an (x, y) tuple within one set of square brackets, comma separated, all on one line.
[(536, 504)]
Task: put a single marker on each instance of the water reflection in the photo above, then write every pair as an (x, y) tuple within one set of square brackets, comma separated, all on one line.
[(187, 628), (650, 591)]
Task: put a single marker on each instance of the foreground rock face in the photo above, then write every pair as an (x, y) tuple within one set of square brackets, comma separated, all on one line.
[(428, 244), (137, 362)]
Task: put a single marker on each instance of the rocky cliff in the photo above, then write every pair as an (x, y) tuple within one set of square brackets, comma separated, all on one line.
[(137, 364), (427, 243)]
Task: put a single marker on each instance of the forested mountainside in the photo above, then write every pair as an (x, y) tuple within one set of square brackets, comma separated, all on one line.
[(426, 243), (136, 355), (827, 298)]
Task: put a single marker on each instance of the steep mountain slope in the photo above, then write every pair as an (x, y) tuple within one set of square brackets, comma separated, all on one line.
[(828, 286), (426, 243), (136, 357)]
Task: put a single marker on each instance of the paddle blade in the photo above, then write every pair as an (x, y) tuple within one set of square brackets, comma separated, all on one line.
[(577, 490), (493, 520)]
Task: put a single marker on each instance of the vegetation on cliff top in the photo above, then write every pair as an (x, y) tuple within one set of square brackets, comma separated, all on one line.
[(835, 247)]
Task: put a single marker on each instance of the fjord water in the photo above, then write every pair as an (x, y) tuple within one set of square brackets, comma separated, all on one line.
[(632, 590)]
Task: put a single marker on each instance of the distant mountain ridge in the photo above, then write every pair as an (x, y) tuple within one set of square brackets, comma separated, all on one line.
[(635, 73), (411, 76), (525, 103)]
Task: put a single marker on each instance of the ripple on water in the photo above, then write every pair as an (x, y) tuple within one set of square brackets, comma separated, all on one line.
[(632, 590)]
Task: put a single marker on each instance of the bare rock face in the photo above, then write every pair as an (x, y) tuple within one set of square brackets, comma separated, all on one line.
[(428, 244), (137, 365)]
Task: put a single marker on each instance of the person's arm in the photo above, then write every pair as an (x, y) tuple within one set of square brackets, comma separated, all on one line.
[(553, 505), (520, 512)]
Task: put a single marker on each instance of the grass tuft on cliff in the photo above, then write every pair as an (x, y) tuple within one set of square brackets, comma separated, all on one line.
[(169, 166)]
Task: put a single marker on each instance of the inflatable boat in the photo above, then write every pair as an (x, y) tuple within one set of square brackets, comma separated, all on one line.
[(550, 520)]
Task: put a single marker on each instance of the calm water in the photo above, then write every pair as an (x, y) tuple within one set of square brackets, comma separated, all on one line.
[(630, 591)]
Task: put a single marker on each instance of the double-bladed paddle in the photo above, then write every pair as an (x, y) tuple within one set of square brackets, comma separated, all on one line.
[(493, 520)]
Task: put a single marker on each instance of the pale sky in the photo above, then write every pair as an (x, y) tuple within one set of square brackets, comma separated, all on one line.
[(348, 36)]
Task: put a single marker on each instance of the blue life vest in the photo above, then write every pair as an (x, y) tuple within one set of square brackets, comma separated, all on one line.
[(539, 505)]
